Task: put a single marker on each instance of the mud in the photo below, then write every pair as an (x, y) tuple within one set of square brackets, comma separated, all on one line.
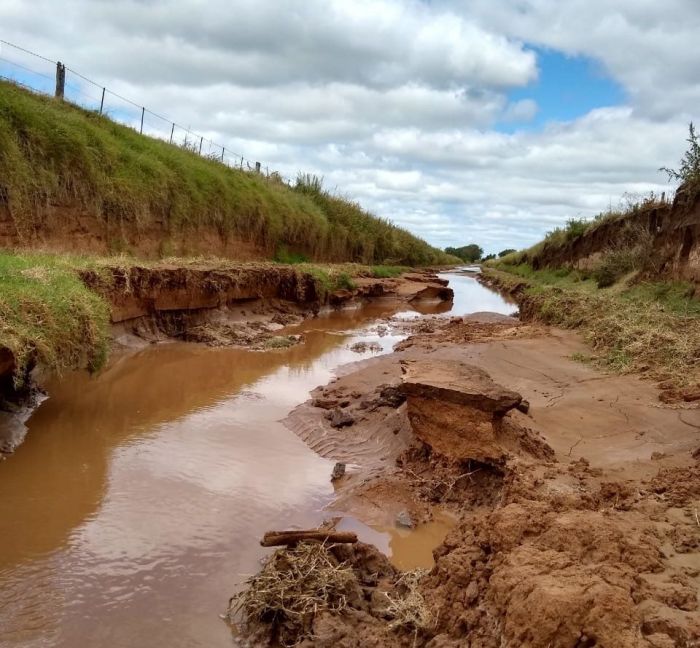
[(584, 530), (137, 500), (221, 305)]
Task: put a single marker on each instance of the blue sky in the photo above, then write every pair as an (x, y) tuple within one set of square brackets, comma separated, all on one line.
[(567, 87)]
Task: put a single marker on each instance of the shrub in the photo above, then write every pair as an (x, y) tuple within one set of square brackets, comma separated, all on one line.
[(576, 227), (632, 253), (689, 170)]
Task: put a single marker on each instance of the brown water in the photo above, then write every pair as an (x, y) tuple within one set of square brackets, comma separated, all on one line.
[(137, 500)]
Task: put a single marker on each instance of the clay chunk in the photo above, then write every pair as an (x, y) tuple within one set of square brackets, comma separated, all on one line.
[(456, 408)]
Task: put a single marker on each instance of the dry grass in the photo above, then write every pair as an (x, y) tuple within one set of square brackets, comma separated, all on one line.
[(293, 586), (438, 487), (631, 329), (409, 609), (280, 603)]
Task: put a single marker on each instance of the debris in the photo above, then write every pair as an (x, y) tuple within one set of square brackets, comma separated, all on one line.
[(404, 519), (391, 396), (363, 347), (340, 419), (289, 538), (326, 403), (523, 406), (338, 471)]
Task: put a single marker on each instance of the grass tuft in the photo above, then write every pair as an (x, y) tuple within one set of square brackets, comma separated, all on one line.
[(47, 314)]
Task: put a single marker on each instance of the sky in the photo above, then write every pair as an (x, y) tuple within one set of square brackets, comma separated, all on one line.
[(487, 121)]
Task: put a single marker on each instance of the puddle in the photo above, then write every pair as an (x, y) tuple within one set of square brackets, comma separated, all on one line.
[(136, 503), (406, 548)]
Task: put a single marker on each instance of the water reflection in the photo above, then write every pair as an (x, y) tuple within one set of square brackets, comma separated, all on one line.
[(139, 495)]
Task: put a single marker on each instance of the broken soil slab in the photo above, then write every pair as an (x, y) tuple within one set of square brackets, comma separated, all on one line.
[(456, 408)]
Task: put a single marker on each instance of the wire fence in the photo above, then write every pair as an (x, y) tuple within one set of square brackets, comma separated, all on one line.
[(43, 75)]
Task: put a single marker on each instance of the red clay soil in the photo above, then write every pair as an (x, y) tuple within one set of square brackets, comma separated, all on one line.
[(584, 533), (674, 229), (71, 229)]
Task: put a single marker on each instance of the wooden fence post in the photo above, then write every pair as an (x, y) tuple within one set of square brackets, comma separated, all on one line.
[(143, 110), (201, 139), (257, 167), (172, 132), (60, 80), (102, 102)]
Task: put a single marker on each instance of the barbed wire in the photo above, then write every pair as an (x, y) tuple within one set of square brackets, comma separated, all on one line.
[(22, 49), (238, 159)]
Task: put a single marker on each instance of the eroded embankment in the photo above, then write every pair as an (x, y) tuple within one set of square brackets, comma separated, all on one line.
[(222, 304), (576, 495), (672, 230), (223, 301)]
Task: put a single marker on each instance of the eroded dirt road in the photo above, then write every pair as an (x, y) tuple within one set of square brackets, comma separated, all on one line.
[(136, 502), (586, 535)]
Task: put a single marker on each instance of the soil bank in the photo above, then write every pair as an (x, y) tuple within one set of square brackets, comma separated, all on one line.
[(585, 534)]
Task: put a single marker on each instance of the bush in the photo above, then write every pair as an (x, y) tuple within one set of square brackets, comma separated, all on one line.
[(632, 253), (689, 170)]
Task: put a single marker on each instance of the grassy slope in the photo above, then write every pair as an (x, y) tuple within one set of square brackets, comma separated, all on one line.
[(55, 153), (554, 241), (48, 315), (652, 328)]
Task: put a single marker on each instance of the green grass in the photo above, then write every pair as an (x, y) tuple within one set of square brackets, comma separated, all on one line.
[(386, 272), (653, 328), (53, 153), (674, 297), (620, 255), (48, 315)]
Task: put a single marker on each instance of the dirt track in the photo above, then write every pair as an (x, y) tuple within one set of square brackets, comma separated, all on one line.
[(587, 536)]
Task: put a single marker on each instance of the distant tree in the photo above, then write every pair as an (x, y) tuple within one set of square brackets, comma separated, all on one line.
[(488, 257), (689, 170), (468, 253), (503, 253)]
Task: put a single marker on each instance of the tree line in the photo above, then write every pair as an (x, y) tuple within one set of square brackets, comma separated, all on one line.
[(472, 253)]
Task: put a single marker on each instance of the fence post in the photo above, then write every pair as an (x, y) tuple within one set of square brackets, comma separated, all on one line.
[(60, 80), (143, 110), (172, 132), (223, 149), (201, 139), (257, 167), (102, 102)]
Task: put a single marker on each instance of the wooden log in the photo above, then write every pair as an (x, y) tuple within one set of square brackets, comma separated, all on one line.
[(282, 538)]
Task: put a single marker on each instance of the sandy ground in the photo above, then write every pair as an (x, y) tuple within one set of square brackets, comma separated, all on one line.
[(589, 535)]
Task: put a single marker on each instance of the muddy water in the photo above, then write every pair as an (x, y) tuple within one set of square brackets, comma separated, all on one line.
[(137, 500)]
